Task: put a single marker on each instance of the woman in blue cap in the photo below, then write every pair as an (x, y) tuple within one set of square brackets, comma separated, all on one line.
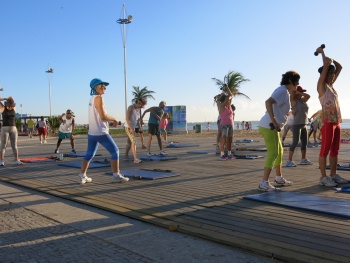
[(99, 133)]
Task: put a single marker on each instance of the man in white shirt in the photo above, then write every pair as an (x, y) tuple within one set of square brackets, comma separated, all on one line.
[(66, 130)]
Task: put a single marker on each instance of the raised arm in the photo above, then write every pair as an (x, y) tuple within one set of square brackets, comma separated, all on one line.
[(321, 89)]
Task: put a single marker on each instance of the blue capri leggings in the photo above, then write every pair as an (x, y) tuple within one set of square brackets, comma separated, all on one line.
[(273, 146), (106, 141)]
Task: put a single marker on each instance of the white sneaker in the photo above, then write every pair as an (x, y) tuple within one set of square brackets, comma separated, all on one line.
[(283, 182), (84, 179), (149, 154), (162, 153), (327, 181), (266, 187), (119, 178), (290, 164), (137, 161), (18, 162), (45, 141), (2, 163), (41, 142), (305, 162), (339, 180)]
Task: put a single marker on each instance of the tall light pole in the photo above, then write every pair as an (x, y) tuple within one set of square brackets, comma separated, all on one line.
[(123, 21), (49, 76)]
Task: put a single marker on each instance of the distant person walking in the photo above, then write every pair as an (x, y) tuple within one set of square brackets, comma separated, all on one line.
[(31, 125), (300, 109), (315, 125), (66, 130), (277, 108), (156, 113), (99, 133), (42, 130), (330, 120), (8, 129)]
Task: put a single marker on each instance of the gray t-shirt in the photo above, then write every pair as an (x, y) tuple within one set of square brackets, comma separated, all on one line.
[(300, 110)]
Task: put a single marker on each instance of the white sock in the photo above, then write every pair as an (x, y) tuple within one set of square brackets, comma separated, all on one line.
[(222, 153), (229, 153), (279, 178)]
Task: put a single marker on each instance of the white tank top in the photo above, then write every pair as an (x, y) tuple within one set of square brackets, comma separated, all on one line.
[(66, 125), (96, 125), (135, 115)]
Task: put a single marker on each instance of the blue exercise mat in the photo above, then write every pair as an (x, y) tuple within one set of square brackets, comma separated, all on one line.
[(251, 149), (344, 189), (327, 205), (77, 155), (341, 167), (245, 141), (249, 157), (157, 158), (78, 164), (203, 151), (144, 174), (181, 145)]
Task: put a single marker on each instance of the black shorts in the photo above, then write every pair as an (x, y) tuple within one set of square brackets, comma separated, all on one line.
[(137, 130), (153, 129)]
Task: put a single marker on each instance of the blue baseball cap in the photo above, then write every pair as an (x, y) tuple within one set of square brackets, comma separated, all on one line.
[(95, 82)]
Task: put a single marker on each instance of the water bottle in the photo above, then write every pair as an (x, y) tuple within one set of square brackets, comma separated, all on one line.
[(61, 156)]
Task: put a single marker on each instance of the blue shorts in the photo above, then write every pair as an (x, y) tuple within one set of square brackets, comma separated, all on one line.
[(63, 135)]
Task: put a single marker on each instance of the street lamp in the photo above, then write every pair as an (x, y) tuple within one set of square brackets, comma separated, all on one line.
[(1, 89), (123, 21), (49, 75)]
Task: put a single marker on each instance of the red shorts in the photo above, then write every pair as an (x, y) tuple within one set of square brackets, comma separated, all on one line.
[(330, 139), (42, 131)]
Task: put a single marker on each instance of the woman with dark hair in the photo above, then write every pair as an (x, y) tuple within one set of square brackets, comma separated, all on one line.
[(277, 108), (8, 129), (330, 120), (300, 109)]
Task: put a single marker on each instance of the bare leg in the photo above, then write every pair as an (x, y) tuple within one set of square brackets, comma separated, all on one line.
[(322, 163), (290, 157), (278, 170), (84, 166), (267, 172), (149, 142), (160, 142), (333, 162), (115, 166), (303, 154)]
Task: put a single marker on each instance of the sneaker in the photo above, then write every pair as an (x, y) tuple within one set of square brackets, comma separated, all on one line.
[(149, 154), (290, 164), (283, 182), (223, 157), (144, 147), (84, 179), (119, 178), (338, 179), (41, 142), (305, 162), (57, 151), (137, 161), (2, 163), (45, 141), (73, 151), (266, 187), (162, 153), (126, 158), (327, 181), (18, 162), (230, 157)]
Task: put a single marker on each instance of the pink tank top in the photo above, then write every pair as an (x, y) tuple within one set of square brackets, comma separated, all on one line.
[(330, 106), (226, 116)]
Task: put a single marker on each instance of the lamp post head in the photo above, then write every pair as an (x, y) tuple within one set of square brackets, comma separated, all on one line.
[(130, 18)]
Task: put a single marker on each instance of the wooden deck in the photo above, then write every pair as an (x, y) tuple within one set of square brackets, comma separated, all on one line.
[(206, 200)]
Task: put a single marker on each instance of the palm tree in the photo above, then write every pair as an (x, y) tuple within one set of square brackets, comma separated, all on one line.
[(234, 81), (142, 95)]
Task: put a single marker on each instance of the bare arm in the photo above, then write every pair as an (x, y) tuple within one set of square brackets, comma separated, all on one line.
[(101, 111), (338, 68), (321, 89), (305, 97)]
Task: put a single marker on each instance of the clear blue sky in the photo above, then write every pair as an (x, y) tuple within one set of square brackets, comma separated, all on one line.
[(174, 47)]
